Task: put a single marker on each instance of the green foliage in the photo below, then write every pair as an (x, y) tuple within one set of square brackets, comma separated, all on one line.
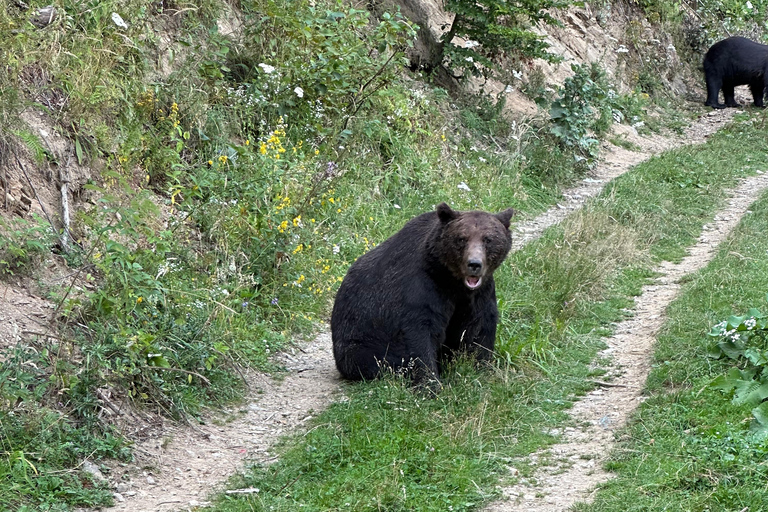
[(237, 188), (389, 448), (687, 448), (558, 296), (733, 16), (33, 144), (320, 65), (745, 340), (38, 442), (586, 108), (493, 29), (22, 243)]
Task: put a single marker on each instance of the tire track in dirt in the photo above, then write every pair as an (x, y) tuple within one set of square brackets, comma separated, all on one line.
[(570, 470), (177, 466)]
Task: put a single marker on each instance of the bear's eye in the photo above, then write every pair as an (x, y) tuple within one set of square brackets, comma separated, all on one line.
[(462, 240), (487, 240)]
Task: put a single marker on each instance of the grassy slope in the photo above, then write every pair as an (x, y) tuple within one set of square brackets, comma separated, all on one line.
[(223, 282), (387, 448)]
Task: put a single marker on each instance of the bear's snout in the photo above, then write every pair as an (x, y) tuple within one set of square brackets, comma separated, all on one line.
[(475, 267), (474, 273)]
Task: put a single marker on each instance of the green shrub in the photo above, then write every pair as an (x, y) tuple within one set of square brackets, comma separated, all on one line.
[(587, 107), (745, 340), (22, 243)]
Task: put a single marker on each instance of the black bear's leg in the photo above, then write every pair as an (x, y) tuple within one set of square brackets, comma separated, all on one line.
[(758, 91), (364, 361), (729, 94), (422, 365), (477, 334), (485, 340), (765, 81), (713, 91)]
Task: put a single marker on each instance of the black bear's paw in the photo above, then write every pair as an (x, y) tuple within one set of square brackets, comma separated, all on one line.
[(714, 105)]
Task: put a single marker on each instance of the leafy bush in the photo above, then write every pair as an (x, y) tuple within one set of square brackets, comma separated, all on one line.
[(319, 67), (745, 340), (587, 106), (494, 28), (22, 242)]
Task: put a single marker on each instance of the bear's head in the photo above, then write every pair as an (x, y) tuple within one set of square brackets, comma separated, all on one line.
[(473, 244)]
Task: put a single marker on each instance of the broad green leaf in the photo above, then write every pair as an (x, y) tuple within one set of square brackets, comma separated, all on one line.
[(731, 348), (750, 392), (760, 425), (79, 152)]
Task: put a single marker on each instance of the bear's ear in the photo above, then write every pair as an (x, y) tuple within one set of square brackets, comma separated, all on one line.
[(505, 216), (445, 214)]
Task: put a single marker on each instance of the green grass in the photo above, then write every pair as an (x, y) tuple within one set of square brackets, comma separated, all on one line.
[(558, 296), (688, 447)]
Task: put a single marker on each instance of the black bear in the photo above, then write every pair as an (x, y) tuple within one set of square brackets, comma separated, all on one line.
[(736, 61), (424, 294)]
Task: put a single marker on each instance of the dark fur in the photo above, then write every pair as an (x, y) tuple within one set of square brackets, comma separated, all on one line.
[(736, 61), (405, 305)]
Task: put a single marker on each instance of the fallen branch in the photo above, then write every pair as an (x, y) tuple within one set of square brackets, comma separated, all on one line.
[(108, 402), (607, 384), (250, 490), (64, 179)]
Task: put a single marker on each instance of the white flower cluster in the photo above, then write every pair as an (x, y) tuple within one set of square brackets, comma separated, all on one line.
[(168, 266)]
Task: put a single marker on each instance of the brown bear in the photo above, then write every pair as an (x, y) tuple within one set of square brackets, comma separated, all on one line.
[(735, 61), (424, 294)]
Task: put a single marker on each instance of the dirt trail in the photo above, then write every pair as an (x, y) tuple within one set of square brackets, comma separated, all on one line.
[(178, 466)]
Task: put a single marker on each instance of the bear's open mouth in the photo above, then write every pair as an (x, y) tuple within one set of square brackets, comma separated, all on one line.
[(473, 282)]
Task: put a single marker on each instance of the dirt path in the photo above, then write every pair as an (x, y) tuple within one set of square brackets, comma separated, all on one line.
[(178, 466)]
